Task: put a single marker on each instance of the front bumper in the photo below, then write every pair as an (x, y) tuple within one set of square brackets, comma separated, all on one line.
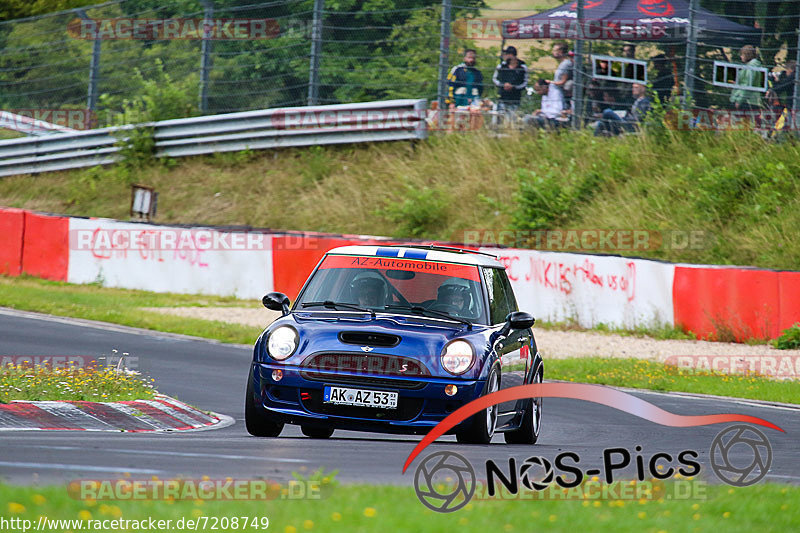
[(297, 399)]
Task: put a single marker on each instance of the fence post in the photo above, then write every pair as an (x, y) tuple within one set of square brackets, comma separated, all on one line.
[(205, 54), (577, 69), (316, 53), (691, 53), (94, 66), (796, 95), (444, 57)]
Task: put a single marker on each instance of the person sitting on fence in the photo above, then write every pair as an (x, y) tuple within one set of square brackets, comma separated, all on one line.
[(613, 124), (465, 82), (511, 79), (551, 110)]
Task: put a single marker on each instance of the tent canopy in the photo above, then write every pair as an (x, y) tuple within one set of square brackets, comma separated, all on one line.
[(631, 20)]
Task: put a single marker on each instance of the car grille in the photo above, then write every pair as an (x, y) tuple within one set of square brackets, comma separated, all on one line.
[(407, 408), (372, 369)]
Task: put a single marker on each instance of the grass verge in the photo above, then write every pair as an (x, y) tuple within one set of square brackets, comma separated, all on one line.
[(36, 383), (644, 374), (741, 197), (121, 306), (361, 508)]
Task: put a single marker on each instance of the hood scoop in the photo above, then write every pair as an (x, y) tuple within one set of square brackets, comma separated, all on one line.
[(366, 338)]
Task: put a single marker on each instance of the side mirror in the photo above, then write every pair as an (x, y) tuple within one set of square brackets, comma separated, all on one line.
[(276, 301), (520, 320)]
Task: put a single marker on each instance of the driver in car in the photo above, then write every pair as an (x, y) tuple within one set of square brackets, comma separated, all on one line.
[(456, 296), (369, 292)]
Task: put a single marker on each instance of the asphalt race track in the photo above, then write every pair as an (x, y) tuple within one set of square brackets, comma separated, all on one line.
[(212, 376)]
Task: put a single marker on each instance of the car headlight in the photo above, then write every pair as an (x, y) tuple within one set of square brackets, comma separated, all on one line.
[(458, 357), (282, 343)]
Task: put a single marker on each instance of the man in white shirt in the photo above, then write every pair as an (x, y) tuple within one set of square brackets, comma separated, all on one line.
[(552, 106)]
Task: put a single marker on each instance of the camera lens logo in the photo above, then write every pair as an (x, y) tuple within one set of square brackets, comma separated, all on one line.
[(525, 473), (444, 482), (733, 463)]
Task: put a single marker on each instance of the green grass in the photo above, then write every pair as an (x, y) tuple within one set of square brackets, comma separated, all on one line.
[(35, 383), (644, 374), (739, 192), (121, 306), (362, 508)]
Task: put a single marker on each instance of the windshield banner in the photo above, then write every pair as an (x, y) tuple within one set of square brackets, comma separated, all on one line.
[(469, 272)]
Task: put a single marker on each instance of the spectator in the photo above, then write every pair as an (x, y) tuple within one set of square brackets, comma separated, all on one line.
[(744, 99), (564, 70), (629, 51), (551, 109), (511, 79), (465, 82), (663, 80), (784, 86), (613, 124), (622, 94)]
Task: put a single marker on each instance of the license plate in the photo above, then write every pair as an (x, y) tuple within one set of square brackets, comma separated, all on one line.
[(360, 397)]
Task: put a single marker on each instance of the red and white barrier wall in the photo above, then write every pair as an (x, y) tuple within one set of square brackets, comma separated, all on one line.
[(591, 289)]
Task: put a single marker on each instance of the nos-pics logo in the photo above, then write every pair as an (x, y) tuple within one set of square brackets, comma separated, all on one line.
[(445, 481)]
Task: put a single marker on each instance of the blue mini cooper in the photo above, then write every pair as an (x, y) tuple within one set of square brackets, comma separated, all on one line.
[(394, 339)]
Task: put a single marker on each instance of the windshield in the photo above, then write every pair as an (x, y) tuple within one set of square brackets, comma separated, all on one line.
[(392, 285)]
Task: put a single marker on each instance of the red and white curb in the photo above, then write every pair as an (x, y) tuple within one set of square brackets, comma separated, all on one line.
[(162, 413)]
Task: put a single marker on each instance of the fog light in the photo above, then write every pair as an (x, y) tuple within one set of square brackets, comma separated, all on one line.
[(277, 375), (450, 390)]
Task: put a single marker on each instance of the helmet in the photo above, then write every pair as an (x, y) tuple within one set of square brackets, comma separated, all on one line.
[(368, 290), (454, 288)]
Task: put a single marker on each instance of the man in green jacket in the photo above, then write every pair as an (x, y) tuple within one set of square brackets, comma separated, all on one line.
[(744, 99)]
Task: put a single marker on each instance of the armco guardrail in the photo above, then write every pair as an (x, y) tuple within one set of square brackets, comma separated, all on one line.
[(391, 120)]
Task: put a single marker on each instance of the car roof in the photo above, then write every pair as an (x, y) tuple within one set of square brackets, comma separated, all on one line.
[(422, 253)]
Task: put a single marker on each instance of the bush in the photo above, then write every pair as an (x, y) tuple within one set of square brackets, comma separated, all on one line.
[(790, 339), (420, 214)]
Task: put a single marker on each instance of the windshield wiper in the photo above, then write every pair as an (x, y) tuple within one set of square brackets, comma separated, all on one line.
[(333, 305), (423, 310)]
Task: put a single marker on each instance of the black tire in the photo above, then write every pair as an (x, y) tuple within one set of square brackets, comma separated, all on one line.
[(255, 419), (482, 425), (528, 432), (317, 432)]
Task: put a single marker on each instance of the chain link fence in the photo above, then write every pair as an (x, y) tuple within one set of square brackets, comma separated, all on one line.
[(130, 60)]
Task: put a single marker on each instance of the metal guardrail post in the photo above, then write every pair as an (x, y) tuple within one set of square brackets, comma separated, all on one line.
[(577, 69), (205, 53), (691, 53), (94, 66), (444, 58), (316, 53)]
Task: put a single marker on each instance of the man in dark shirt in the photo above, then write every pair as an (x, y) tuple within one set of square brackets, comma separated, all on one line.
[(613, 124), (784, 87), (511, 79)]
